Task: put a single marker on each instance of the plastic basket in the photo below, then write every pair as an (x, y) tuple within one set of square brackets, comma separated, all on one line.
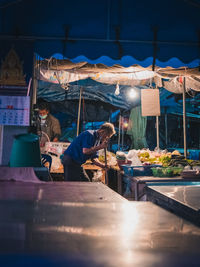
[(166, 171), (130, 170)]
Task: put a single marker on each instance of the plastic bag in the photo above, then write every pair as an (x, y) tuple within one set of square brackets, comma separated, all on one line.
[(133, 157)]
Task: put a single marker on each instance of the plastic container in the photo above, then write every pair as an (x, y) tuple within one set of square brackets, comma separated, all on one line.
[(166, 171), (130, 170), (25, 151), (123, 162)]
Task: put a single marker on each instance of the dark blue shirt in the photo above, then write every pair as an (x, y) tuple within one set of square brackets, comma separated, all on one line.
[(86, 139)]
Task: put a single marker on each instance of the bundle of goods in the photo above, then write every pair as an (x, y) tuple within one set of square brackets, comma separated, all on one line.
[(160, 157), (178, 165), (192, 170), (194, 173), (151, 162), (160, 163), (55, 150), (134, 166), (111, 158), (178, 161), (121, 159)]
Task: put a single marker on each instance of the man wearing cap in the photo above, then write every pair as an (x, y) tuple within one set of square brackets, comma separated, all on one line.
[(85, 146)]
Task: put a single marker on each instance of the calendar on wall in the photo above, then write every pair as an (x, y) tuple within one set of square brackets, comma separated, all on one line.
[(15, 110)]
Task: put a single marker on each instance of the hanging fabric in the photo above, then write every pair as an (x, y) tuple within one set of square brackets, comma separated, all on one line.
[(137, 128)]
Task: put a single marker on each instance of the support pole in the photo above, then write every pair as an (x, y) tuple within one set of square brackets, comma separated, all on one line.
[(119, 132), (155, 33), (166, 129), (184, 121), (106, 164), (122, 119), (35, 81), (79, 112), (1, 144), (157, 132)]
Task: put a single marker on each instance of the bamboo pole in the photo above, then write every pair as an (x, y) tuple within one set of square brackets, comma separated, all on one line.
[(79, 111)]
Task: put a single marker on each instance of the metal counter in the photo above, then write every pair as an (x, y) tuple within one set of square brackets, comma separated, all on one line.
[(183, 198), (87, 224)]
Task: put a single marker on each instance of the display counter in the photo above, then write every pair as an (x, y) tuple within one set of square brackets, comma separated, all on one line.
[(182, 198), (136, 185), (87, 224)]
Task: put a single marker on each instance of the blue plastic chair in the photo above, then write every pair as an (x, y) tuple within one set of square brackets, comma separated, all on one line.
[(46, 158)]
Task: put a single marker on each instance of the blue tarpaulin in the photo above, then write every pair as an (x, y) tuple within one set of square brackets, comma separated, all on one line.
[(92, 90), (139, 29)]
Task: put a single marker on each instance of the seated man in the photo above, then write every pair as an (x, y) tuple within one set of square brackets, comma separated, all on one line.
[(49, 127)]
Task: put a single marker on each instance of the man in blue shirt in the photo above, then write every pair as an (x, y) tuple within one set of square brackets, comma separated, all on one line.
[(84, 147)]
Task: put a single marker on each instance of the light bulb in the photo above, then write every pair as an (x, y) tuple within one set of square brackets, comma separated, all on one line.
[(117, 92), (132, 93)]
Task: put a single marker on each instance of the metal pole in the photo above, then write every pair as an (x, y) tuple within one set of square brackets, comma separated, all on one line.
[(79, 111), (119, 132), (1, 144), (184, 121), (166, 129), (35, 75), (106, 173), (122, 133), (157, 132)]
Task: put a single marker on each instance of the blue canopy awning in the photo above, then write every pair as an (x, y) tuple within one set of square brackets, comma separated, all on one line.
[(112, 28)]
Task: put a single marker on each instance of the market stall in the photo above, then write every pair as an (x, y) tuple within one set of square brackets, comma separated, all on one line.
[(78, 80), (139, 167)]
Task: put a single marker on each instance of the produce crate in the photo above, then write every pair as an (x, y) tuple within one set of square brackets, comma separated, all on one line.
[(166, 171), (145, 170)]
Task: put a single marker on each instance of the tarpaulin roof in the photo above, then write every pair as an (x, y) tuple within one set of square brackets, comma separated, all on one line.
[(141, 29), (64, 72), (92, 90), (61, 80)]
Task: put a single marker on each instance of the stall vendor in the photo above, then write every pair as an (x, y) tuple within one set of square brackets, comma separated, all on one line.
[(48, 126), (84, 147)]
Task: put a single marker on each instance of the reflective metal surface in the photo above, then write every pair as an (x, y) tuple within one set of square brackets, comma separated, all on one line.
[(189, 194), (59, 192), (39, 228), (184, 200)]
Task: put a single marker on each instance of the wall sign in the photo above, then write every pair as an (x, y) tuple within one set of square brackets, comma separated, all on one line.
[(150, 102)]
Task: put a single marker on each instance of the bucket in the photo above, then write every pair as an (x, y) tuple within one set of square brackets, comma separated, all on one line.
[(25, 151)]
